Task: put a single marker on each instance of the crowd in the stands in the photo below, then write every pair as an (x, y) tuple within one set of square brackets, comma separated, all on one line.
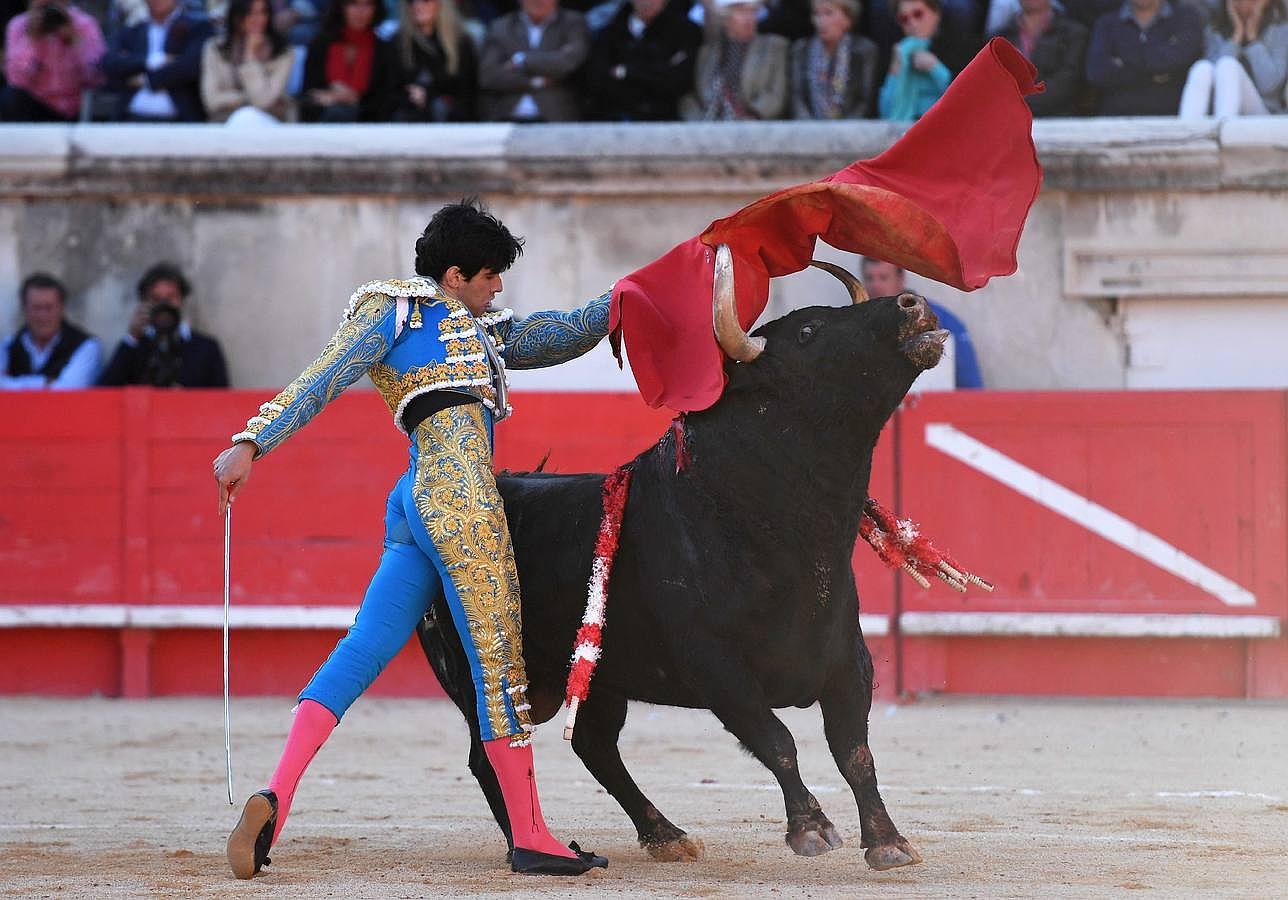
[(269, 61)]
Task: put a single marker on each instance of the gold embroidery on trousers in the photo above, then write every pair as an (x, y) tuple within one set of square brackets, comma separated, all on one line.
[(458, 501)]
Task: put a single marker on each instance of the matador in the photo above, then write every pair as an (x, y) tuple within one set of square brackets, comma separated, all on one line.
[(437, 354)]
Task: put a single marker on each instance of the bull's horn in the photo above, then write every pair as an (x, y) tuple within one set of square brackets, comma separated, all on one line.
[(858, 293), (724, 313)]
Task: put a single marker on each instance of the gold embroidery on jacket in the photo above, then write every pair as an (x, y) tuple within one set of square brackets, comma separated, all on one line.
[(456, 495), (394, 387)]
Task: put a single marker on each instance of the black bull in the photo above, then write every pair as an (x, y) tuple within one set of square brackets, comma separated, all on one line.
[(732, 588)]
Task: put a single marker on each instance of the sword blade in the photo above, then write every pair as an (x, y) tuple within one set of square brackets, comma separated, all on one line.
[(228, 737)]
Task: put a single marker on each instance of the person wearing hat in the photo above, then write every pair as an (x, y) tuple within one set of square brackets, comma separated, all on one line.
[(832, 73), (740, 74)]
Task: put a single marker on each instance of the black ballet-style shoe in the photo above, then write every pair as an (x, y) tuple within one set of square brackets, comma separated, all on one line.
[(534, 862), (249, 843)]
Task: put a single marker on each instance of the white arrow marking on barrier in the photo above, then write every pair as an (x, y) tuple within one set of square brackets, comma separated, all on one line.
[(1092, 516)]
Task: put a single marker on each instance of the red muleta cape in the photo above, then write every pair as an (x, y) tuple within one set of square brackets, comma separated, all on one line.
[(948, 200)]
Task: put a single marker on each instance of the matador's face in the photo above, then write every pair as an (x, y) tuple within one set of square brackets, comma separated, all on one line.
[(475, 293)]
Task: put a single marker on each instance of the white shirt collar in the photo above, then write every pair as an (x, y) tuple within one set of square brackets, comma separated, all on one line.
[(40, 356)]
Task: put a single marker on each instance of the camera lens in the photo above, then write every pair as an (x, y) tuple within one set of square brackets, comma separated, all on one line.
[(164, 318)]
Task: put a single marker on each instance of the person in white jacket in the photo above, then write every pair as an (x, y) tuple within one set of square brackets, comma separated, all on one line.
[(244, 74), (1244, 65)]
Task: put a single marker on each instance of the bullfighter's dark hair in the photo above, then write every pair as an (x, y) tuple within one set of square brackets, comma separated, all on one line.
[(333, 24), (238, 10), (934, 5), (41, 280), (467, 236), (1224, 25), (163, 271)]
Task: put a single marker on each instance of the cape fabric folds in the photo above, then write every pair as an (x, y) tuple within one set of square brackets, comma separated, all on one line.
[(948, 200)]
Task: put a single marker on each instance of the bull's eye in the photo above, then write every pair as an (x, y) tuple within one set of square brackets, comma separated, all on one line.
[(808, 330)]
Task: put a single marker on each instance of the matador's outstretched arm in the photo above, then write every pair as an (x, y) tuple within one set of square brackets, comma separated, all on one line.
[(551, 337), (364, 337)]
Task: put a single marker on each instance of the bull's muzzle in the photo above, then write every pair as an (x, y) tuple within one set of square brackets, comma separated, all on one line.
[(920, 338)]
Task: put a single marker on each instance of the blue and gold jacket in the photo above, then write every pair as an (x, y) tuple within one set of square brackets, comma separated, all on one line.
[(412, 339)]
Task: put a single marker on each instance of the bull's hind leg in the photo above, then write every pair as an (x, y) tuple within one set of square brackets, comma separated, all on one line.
[(846, 703), (599, 723), (442, 645), (735, 697)]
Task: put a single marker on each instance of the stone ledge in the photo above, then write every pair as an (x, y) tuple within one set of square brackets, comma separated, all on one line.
[(210, 160)]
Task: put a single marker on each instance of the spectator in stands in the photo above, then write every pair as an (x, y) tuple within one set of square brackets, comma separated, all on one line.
[(1245, 63), (436, 63), (883, 279), (832, 73), (51, 56), (1139, 56), (245, 73), (1056, 45), (739, 74), (160, 348), (156, 65), (349, 74), (528, 62), (48, 351), (641, 64), (924, 62)]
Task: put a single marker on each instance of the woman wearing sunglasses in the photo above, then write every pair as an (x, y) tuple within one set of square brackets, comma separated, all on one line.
[(923, 62)]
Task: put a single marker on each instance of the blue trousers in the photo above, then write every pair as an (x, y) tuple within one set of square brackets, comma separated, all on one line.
[(445, 534)]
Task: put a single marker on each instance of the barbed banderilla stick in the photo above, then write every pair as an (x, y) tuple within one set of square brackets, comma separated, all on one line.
[(228, 733)]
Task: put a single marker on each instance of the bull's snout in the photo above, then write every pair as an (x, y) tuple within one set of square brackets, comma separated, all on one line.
[(912, 303), (918, 315), (921, 338)]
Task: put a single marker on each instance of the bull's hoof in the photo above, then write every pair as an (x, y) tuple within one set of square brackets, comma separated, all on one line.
[(814, 837), (680, 849), (892, 856)]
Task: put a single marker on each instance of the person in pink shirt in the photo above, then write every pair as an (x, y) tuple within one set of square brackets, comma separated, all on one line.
[(51, 56)]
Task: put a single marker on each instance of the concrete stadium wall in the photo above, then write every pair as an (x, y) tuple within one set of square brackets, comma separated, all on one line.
[(1154, 257)]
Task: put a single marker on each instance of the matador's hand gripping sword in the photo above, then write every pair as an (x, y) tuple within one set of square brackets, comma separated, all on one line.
[(228, 739)]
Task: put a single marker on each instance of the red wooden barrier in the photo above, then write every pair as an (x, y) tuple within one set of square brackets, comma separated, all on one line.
[(1115, 521), (108, 501), (1100, 516)]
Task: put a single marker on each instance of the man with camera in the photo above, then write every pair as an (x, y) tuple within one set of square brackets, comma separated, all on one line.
[(51, 56), (160, 348)]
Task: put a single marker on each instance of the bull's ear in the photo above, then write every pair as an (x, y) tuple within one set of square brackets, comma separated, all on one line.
[(858, 293)]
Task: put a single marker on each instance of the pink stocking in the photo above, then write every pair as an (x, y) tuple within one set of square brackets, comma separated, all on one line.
[(514, 771), (312, 726)]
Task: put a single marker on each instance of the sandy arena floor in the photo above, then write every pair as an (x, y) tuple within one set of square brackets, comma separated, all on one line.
[(1003, 797)]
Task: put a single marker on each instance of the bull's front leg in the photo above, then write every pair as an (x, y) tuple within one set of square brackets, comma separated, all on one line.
[(846, 703), (595, 743), (736, 698)]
